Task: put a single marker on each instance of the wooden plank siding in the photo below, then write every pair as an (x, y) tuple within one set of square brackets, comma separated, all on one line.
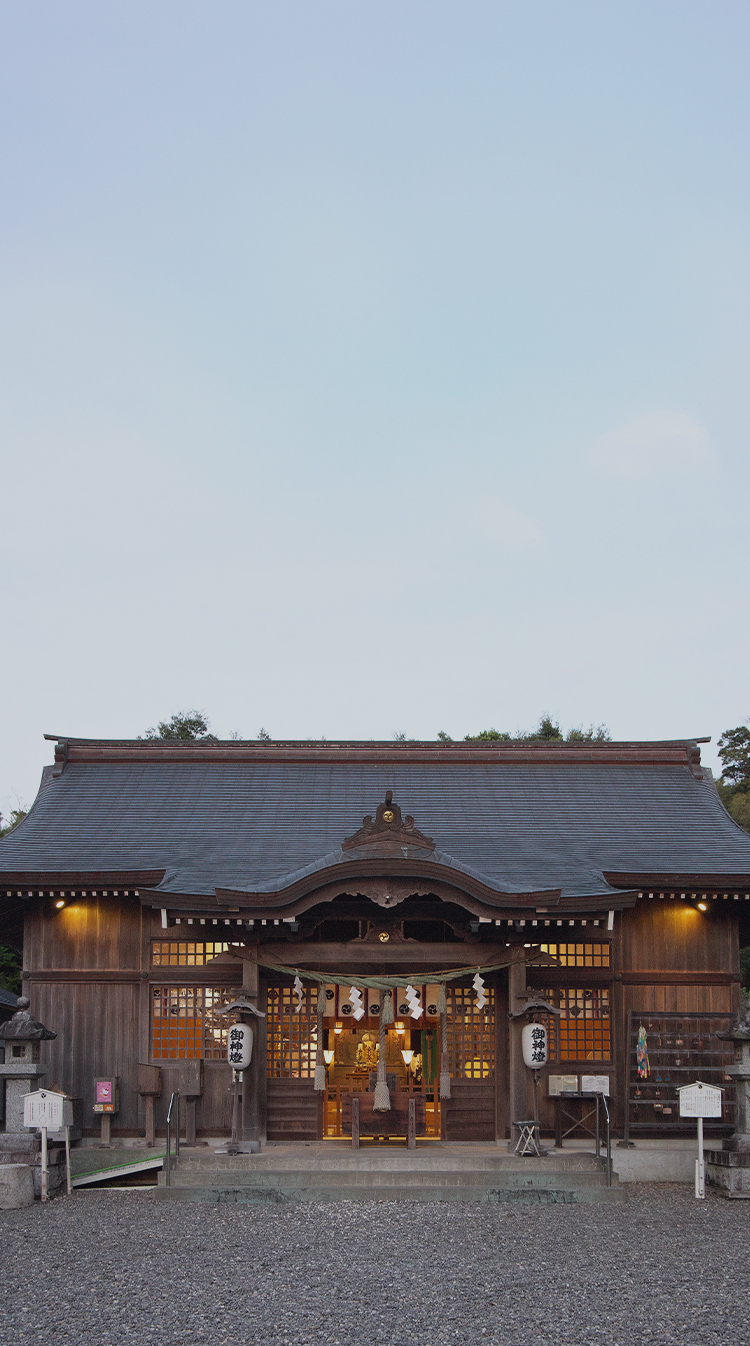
[(469, 1113), (95, 1026), (295, 1110), (663, 934), (88, 933)]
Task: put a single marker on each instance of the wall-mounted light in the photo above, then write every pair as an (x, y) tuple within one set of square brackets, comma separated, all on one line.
[(328, 1056), (702, 906), (400, 1029), (407, 1055), (60, 903), (338, 1027)]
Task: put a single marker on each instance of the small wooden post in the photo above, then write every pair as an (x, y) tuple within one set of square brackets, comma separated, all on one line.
[(149, 1119), (626, 1143), (68, 1181), (558, 1122), (106, 1138), (355, 1122), (45, 1171), (411, 1132), (700, 1167), (232, 1147)]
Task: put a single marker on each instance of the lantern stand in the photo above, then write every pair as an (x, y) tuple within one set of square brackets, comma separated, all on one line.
[(535, 1057), (241, 1054)]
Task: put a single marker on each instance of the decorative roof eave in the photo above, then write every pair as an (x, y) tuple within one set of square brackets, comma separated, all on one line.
[(387, 881)]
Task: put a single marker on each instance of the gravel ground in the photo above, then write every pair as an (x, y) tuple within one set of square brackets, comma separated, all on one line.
[(106, 1268)]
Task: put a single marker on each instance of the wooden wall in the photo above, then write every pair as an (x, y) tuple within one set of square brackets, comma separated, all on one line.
[(666, 955), (84, 982), (88, 933), (89, 979), (670, 934)]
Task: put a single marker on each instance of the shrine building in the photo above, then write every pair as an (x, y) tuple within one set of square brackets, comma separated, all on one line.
[(153, 883)]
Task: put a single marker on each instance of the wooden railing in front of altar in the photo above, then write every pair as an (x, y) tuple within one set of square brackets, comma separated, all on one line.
[(332, 1106)]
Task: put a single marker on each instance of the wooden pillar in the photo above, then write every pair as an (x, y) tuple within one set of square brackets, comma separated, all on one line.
[(411, 1131), (502, 1076), (190, 1102), (149, 1087), (518, 1084), (355, 1121), (253, 1079)]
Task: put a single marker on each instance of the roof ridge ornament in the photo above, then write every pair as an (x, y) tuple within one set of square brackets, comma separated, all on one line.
[(388, 826)]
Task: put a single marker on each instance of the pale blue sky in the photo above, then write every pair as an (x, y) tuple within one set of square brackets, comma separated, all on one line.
[(372, 367)]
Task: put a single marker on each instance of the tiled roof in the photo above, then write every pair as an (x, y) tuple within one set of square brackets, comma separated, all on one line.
[(255, 825)]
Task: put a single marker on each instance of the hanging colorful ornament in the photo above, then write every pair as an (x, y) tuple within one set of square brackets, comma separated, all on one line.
[(641, 1055), (479, 987)]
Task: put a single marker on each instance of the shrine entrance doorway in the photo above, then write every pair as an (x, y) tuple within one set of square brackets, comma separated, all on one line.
[(296, 1111)]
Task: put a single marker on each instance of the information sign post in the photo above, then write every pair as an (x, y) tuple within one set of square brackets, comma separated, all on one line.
[(45, 1110), (700, 1100)]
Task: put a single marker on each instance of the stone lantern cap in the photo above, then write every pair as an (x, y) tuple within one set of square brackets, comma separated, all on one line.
[(22, 1028)]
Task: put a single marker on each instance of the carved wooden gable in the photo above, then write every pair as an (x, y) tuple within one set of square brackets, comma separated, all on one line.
[(388, 827)]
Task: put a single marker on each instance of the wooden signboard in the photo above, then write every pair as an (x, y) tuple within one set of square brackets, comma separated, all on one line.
[(700, 1100), (46, 1109), (49, 1111)]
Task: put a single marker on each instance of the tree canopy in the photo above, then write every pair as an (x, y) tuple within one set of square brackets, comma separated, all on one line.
[(184, 727), (10, 969), (734, 786), (547, 731), (16, 816), (734, 751)]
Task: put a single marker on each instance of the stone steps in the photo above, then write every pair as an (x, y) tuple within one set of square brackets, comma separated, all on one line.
[(388, 1176), (394, 1162)]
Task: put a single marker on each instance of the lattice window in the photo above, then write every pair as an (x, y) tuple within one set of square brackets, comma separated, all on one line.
[(185, 1023), (471, 1034), (185, 953), (583, 1031), (578, 955), (292, 1037)]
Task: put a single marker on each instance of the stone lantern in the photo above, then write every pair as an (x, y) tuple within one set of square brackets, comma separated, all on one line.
[(729, 1168), (22, 1071), (22, 1074)]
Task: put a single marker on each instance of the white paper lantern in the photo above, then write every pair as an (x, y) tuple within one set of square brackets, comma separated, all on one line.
[(240, 1046), (534, 1045)]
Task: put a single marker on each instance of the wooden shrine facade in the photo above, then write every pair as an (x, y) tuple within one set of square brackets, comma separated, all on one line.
[(151, 883)]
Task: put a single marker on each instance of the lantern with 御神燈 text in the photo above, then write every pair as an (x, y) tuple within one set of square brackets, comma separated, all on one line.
[(240, 1046), (534, 1045)]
